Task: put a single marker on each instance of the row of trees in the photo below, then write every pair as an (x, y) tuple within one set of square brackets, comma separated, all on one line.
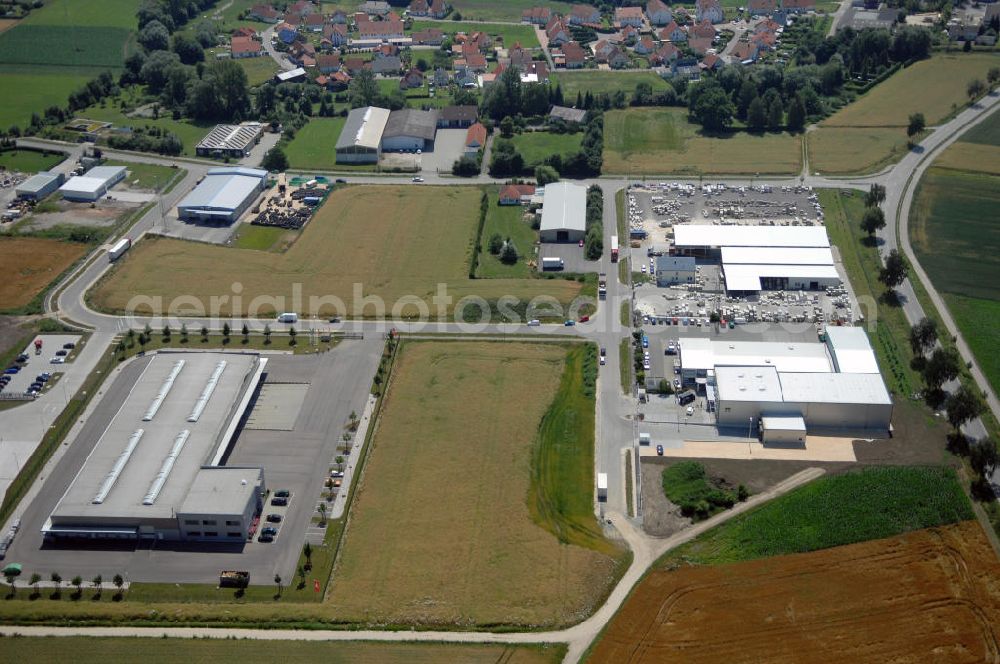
[(506, 161), (593, 243), (11, 576)]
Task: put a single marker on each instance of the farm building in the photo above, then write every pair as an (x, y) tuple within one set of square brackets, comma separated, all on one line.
[(360, 140), (409, 129), (223, 195), (93, 184), (230, 140), (39, 186), (154, 471), (564, 213), (672, 270)]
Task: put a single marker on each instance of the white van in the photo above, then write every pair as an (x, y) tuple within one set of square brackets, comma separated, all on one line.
[(288, 318), (534, 322)]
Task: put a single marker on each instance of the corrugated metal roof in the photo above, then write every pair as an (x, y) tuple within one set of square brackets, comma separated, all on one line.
[(363, 128), (565, 207), (411, 122), (221, 191), (37, 182), (703, 235)]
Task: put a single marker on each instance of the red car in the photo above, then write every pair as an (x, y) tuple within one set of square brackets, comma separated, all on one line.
[(584, 319)]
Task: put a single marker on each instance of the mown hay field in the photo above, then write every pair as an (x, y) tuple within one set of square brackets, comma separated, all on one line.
[(441, 532), (383, 241), (926, 596), (30, 265), (655, 141)]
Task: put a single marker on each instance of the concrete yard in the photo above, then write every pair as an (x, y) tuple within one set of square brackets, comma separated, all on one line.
[(572, 255), (338, 382), (817, 448), (449, 145)]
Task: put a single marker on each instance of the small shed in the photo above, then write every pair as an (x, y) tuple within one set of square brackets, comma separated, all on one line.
[(787, 429)]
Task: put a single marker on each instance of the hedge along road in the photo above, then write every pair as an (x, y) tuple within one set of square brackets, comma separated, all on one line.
[(646, 551)]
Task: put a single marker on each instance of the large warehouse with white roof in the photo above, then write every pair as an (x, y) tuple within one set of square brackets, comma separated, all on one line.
[(564, 213), (93, 184), (360, 141), (154, 470), (223, 195)]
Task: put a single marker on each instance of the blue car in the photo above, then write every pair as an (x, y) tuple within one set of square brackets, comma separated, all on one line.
[(12, 370), (570, 323), (645, 341)]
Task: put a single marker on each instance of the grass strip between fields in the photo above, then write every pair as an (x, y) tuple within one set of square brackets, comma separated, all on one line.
[(624, 365), (867, 504)]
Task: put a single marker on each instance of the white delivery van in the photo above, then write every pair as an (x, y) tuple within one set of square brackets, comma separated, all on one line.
[(288, 318)]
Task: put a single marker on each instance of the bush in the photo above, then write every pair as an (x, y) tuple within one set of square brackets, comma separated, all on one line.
[(686, 485)]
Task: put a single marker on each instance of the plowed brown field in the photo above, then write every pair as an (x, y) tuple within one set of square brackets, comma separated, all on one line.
[(927, 596)]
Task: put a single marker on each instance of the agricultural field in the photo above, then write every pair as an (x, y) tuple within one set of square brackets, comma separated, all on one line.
[(842, 150), (597, 82), (313, 145), (506, 543), (29, 89), (655, 141), (536, 146), (507, 221), (925, 596), (65, 46), (390, 241), (97, 650), (29, 161), (511, 34), (977, 319), (30, 265), (89, 14)]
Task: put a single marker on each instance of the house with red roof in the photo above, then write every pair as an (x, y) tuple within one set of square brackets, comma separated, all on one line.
[(645, 46), (700, 45), (664, 55), (704, 29), (658, 12), (673, 33), (761, 7), (244, 32), (428, 37), (328, 63), (711, 62), (475, 138), (265, 13), (516, 194), (585, 15), (573, 55), (709, 10), (557, 31), (629, 16), (335, 35), (314, 22), (536, 15), (245, 47), (414, 78)]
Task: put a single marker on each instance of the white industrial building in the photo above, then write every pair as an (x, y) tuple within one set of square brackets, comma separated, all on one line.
[(703, 239), (752, 269), (93, 184), (360, 141), (154, 471), (40, 185), (223, 195), (787, 389), (226, 140), (564, 213), (408, 130)]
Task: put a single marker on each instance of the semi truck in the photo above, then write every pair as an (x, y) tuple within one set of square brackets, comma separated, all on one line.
[(602, 487), (602, 285), (119, 248), (614, 248), (552, 263)]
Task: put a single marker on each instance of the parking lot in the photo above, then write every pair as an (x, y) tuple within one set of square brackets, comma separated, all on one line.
[(449, 145), (572, 255), (61, 346), (297, 461)]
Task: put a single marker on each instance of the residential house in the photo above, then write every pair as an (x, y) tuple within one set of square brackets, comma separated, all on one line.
[(335, 82), (329, 63), (761, 7), (301, 8), (617, 59), (314, 22), (244, 32), (645, 46), (245, 47), (428, 37), (354, 65), (585, 15), (536, 15), (286, 33), (293, 20), (441, 77), (303, 54), (711, 62), (700, 45), (567, 114), (703, 30), (335, 35), (673, 33), (798, 6), (466, 78), (658, 12), (709, 10), (537, 69), (602, 49), (385, 50), (764, 41), (519, 57), (457, 117), (516, 194), (629, 16), (414, 78), (745, 52), (387, 66), (265, 13), (557, 30), (573, 55), (664, 55), (419, 8), (686, 68), (380, 30), (628, 35), (472, 61), (338, 17), (433, 8), (438, 9), (375, 8), (475, 138)]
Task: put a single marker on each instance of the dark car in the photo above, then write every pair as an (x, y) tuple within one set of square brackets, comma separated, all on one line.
[(43, 378), (282, 493), (11, 370), (274, 518), (264, 537), (61, 353), (278, 501), (269, 531), (335, 319), (37, 386), (69, 346), (659, 450), (23, 357), (340, 181)]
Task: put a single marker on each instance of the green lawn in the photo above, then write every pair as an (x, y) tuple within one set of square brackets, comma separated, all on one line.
[(188, 131), (259, 238), (986, 132), (862, 505), (29, 161), (506, 221), (979, 321), (65, 46), (597, 82), (148, 176), (313, 145), (86, 13), (28, 89), (511, 34), (661, 141), (259, 70), (536, 146)]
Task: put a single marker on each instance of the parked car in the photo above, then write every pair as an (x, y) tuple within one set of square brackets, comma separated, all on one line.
[(61, 353), (69, 345), (604, 360), (44, 376), (604, 351), (569, 323), (10, 371), (23, 357), (264, 537), (340, 181), (336, 473), (690, 410), (677, 383), (277, 501), (335, 319), (282, 493), (269, 531), (274, 518), (584, 319), (417, 179), (534, 322), (58, 360), (659, 450)]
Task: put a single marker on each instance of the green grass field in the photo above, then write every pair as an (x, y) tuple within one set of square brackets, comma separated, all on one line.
[(29, 161), (97, 650), (259, 70), (506, 428), (64, 46), (603, 81), (148, 176), (511, 34), (188, 131), (843, 150), (313, 145), (536, 146), (507, 221), (661, 141), (978, 319), (90, 13), (28, 89), (260, 238), (886, 325), (861, 505)]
